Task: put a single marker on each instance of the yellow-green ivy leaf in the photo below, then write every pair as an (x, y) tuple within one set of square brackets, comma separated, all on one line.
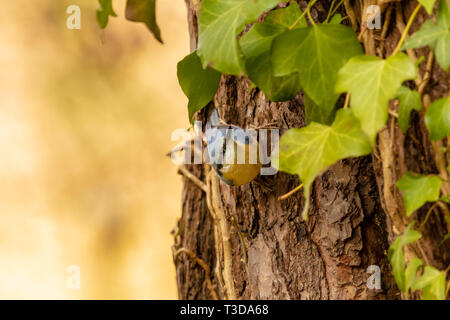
[(443, 14), (372, 82), (104, 12), (220, 22), (437, 119), (428, 5), (337, 19), (256, 45), (396, 255), (198, 84), (435, 35), (316, 53), (418, 189), (432, 283), (442, 51), (408, 100), (310, 150), (144, 11), (411, 273)]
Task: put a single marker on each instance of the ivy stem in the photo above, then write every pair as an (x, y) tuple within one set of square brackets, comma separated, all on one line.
[(347, 100), (244, 248), (427, 215), (302, 15), (334, 10), (290, 193), (405, 32), (329, 12), (308, 11), (448, 268)]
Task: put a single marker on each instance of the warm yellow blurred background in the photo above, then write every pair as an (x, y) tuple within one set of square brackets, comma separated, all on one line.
[(84, 129)]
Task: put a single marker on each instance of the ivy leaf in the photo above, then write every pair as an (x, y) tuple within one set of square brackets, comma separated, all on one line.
[(437, 119), (310, 150), (432, 283), (411, 273), (337, 19), (442, 51), (435, 35), (407, 237), (220, 22), (425, 36), (144, 11), (317, 53), (372, 82), (409, 100), (103, 13), (313, 113), (198, 84), (428, 5), (446, 237), (443, 14), (256, 45), (397, 260), (418, 189), (396, 255)]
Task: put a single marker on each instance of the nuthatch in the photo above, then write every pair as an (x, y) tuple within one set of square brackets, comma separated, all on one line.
[(233, 152)]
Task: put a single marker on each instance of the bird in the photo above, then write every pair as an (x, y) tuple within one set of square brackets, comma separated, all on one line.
[(233, 152)]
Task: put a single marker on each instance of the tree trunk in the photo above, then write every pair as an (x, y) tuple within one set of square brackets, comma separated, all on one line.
[(355, 211)]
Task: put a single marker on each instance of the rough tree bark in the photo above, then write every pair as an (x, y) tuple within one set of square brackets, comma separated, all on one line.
[(354, 209)]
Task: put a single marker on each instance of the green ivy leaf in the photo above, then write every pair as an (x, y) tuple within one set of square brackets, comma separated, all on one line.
[(198, 84), (418, 189), (104, 11), (396, 255), (372, 82), (220, 22), (256, 45), (397, 260), (317, 53), (310, 150), (419, 60), (411, 273), (313, 113), (446, 237), (428, 5), (442, 51), (425, 36), (443, 14), (435, 35), (408, 100), (437, 119), (432, 283), (144, 11), (337, 19)]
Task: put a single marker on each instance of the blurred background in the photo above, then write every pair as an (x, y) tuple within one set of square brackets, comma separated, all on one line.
[(84, 129)]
